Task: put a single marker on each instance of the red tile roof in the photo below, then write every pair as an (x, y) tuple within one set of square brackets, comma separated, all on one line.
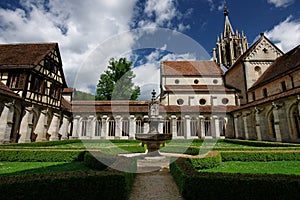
[(282, 66), (191, 68), (4, 90), (23, 55)]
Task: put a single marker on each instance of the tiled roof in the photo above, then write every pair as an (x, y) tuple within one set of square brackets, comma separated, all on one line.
[(68, 90), (198, 109), (196, 88), (23, 55), (281, 67), (191, 68), (4, 90)]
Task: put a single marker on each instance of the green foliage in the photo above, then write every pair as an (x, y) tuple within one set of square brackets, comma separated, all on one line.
[(259, 156), (78, 95), (98, 161), (42, 144), (260, 143), (207, 162), (116, 82), (40, 156)]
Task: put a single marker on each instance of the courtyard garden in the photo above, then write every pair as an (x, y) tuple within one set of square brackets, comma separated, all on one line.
[(227, 169)]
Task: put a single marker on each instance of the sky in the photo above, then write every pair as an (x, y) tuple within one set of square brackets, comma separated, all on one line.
[(90, 32)]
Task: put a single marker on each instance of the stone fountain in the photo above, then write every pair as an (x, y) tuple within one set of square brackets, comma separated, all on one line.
[(153, 139)]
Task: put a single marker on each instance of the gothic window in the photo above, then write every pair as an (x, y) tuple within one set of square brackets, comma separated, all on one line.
[(139, 126), (207, 126), (167, 126), (180, 127), (295, 121), (194, 126), (83, 127), (111, 127), (222, 126), (125, 127), (271, 123), (98, 127)]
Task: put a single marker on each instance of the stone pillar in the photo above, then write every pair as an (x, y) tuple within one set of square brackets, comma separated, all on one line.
[(26, 126), (160, 127), (236, 127), (202, 126), (146, 124), (132, 127), (118, 127), (257, 124), (75, 134), (216, 132), (277, 125), (104, 131), (90, 128), (6, 123), (187, 134), (54, 127), (41, 127), (64, 129), (245, 120), (174, 126)]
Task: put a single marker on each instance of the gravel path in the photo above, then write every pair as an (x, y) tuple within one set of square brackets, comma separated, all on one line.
[(155, 185)]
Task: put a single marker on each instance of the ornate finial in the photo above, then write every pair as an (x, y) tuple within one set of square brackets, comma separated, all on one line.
[(153, 95), (226, 12)]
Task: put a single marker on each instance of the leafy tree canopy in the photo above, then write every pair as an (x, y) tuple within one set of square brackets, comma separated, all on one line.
[(116, 82)]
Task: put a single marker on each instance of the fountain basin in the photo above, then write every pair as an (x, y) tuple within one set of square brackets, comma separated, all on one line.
[(153, 141)]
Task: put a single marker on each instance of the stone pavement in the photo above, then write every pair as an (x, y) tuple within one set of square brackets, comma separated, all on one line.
[(154, 181)]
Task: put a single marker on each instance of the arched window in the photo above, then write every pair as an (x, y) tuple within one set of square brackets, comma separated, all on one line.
[(222, 123), (194, 126), (207, 126), (98, 127), (180, 127), (111, 127), (83, 127), (139, 125), (258, 71), (271, 124), (125, 127), (167, 126), (295, 121)]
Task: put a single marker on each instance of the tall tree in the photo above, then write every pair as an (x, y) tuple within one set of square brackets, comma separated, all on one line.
[(116, 82)]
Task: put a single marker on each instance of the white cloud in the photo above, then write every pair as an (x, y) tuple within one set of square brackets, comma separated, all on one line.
[(281, 3), (286, 34)]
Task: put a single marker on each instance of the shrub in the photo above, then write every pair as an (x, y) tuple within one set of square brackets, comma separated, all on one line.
[(260, 143), (43, 144), (98, 160), (260, 156), (206, 163), (41, 156)]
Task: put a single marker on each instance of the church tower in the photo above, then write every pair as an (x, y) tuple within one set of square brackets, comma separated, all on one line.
[(230, 45)]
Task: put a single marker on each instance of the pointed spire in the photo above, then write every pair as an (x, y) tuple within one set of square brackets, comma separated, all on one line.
[(226, 12)]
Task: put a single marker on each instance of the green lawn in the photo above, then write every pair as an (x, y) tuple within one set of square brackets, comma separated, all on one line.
[(276, 167), (25, 168)]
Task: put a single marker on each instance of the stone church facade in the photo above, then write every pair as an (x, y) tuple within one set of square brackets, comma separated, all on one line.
[(243, 92)]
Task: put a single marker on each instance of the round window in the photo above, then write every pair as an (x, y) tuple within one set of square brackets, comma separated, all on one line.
[(257, 69), (215, 81), (196, 81), (202, 102), (225, 101), (177, 81), (180, 101)]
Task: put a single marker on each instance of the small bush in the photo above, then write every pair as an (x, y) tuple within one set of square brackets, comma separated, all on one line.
[(98, 160), (206, 163)]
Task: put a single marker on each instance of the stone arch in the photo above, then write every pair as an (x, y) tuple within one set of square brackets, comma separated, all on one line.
[(207, 127), (111, 127), (35, 117), (222, 126), (98, 126), (125, 126), (167, 125), (271, 125), (294, 121), (194, 126), (83, 126), (14, 135), (139, 125), (180, 126)]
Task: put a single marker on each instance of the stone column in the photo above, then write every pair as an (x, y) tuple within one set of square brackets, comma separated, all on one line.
[(146, 124), (257, 124), (236, 127), (202, 126), (54, 127), (187, 134), (41, 127), (90, 129), (104, 131), (160, 124), (245, 120), (75, 134), (276, 124), (174, 126), (132, 127), (26, 126), (118, 127), (64, 129), (6, 123), (216, 132)]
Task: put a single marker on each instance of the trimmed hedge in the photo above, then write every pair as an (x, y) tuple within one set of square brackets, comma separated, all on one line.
[(260, 156), (41, 156), (42, 144), (98, 160), (260, 143), (206, 163), (195, 185)]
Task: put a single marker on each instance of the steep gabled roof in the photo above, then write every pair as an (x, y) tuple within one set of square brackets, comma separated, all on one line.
[(26, 55), (251, 49), (4, 90), (282, 66), (190, 68)]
